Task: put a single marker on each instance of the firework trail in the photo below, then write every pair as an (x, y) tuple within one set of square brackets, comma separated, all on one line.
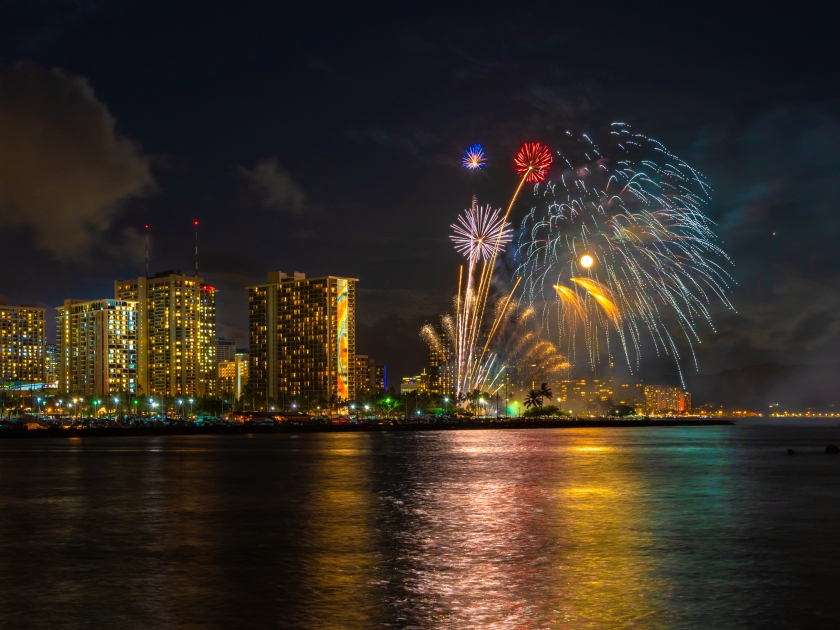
[(479, 234), (619, 244)]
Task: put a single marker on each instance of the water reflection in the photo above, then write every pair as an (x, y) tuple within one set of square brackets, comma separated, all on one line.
[(472, 534), (602, 515), (588, 528), (338, 587)]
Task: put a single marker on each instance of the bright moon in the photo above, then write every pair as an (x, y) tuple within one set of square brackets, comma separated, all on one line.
[(586, 261)]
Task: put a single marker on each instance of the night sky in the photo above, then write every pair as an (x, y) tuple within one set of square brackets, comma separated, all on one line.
[(327, 140)]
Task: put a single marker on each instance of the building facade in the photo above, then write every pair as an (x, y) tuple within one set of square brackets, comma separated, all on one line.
[(225, 349), (598, 396), (23, 344), (51, 365), (441, 364), (233, 375), (97, 347), (176, 333), (418, 384), (665, 399), (365, 368), (380, 377), (302, 339)]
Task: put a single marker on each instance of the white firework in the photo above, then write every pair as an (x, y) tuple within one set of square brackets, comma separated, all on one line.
[(479, 231)]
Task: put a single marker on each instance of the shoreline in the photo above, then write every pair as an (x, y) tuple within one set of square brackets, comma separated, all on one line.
[(247, 429)]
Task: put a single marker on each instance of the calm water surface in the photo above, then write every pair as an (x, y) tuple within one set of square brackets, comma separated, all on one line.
[(711, 527)]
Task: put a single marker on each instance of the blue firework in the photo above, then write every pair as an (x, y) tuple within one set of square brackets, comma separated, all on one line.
[(474, 157)]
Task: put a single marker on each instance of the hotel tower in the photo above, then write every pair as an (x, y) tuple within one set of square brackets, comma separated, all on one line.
[(22, 344), (97, 347), (176, 333), (302, 339)]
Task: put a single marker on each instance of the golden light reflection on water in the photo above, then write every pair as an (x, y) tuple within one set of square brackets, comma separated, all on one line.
[(338, 573), (601, 509)]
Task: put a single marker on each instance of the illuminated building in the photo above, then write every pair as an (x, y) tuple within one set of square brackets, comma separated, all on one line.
[(585, 396), (630, 393), (303, 338), (97, 347), (51, 365), (411, 384), (22, 343), (441, 364), (664, 399), (380, 377), (233, 375), (365, 373), (207, 341), (370, 375), (225, 349), (176, 333)]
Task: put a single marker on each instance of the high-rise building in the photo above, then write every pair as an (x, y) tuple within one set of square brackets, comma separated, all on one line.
[(380, 377), (225, 349), (441, 365), (363, 372), (207, 342), (176, 333), (51, 365), (97, 347), (303, 338), (233, 375), (22, 343)]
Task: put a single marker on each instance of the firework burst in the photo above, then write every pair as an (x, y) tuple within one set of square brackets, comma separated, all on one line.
[(620, 247), (474, 157), (479, 231), (533, 161)]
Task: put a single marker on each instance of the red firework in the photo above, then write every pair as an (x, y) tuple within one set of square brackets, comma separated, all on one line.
[(533, 159)]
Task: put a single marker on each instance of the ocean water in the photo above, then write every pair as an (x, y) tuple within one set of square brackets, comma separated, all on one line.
[(701, 527)]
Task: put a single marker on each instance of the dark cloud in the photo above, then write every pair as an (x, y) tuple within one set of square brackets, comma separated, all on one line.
[(63, 168), (276, 187)]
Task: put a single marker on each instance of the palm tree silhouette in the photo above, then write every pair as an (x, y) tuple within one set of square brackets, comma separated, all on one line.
[(544, 392), (533, 399)]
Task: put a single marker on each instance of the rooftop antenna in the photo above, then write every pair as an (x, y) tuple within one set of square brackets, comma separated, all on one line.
[(195, 223), (147, 251)]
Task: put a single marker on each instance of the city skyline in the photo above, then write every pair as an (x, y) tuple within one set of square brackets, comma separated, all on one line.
[(367, 190)]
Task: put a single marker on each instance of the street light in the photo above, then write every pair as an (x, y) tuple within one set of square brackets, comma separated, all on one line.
[(191, 404), (445, 406), (181, 402)]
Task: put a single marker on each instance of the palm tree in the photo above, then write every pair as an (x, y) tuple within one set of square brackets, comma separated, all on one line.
[(544, 392), (533, 399), (473, 397)]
